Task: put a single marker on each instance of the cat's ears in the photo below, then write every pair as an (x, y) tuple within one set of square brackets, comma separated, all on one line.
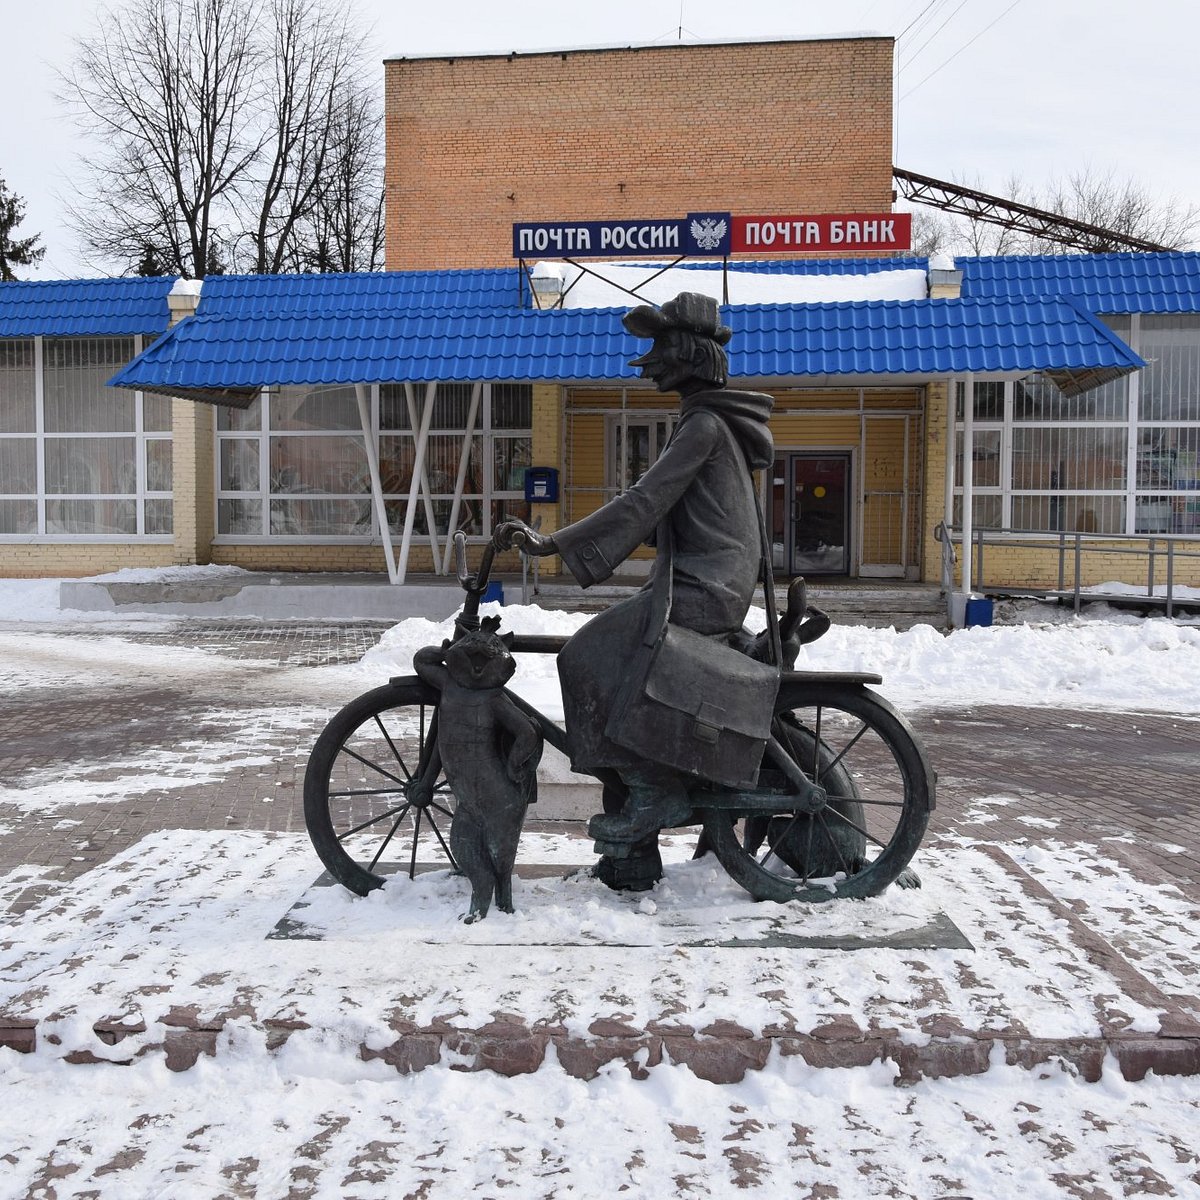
[(489, 624), (508, 639)]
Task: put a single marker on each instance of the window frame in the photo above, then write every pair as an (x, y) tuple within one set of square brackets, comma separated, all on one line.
[(1135, 497), (139, 436), (489, 495)]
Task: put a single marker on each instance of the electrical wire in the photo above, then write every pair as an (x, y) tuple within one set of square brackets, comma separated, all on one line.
[(960, 50), (916, 53), (931, 4)]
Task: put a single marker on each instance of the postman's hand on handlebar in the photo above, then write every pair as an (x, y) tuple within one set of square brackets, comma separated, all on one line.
[(516, 534)]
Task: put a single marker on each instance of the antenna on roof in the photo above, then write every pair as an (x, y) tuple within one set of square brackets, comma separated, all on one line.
[(681, 20)]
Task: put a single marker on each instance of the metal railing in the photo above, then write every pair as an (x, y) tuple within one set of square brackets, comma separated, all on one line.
[(1162, 553)]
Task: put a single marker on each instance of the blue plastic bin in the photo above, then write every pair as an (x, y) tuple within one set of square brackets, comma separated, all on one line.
[(978, 612)]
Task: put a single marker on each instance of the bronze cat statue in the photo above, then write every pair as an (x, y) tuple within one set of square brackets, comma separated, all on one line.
[(490, 752)]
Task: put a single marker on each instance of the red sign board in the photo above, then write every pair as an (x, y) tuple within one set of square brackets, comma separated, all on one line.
[(838, 233)]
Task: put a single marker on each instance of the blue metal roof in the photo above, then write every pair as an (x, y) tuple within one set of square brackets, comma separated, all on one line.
[(84, 307), (377, 291), (215, 355), (1101, 283)]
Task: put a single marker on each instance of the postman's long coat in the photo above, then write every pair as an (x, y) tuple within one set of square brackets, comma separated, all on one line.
[(702, 479)]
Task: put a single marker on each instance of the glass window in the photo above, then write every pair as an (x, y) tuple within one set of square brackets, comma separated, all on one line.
[(156, 413), (239, 465), (634, 446), (985, 512), (17, 387), (240, 517), (159, 516), (91, 516), (334, 465), (1074, 514), (512, 406), (1068, 459), (18, 516), (18, 466), (442, 455), (989, 400), (77, 400), (158, 465), (510, 458), (985, 457), (313, 454), (1037, 398), (91, 466), (320, 517), (87, 447), (1170, 383), (303, 409), (451, 406), (1168, 458), (241, 418)]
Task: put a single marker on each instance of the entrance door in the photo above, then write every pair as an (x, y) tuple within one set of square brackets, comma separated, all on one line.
[(811, 514)]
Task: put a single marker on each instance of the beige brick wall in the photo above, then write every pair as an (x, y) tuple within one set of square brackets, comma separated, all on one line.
[(475, 144), (547, 451), (70, 561), (1036, 566), (192, 439), (937, 446)]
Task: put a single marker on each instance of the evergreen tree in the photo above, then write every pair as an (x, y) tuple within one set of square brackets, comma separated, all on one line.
[(14, 252)]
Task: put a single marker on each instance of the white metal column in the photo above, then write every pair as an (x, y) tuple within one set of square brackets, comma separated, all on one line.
[(968, 481), (464, 461), (418, 474), (364, 417)]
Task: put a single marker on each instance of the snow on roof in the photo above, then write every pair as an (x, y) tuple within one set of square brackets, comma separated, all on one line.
[(608, 47), (612, 283)]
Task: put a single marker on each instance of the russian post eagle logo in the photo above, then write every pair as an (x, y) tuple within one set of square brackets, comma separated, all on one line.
[(708, 232)]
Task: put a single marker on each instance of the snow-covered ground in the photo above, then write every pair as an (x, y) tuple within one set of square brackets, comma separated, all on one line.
[(172, 922)]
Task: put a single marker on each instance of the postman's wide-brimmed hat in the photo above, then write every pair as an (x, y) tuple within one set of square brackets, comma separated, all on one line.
[(689, 311)]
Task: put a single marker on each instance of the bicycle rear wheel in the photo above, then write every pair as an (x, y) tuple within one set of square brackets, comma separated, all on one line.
[(880, 793), (375, 799)]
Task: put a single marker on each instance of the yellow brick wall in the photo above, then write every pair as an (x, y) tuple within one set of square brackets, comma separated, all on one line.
[(192, 441), (1036, 566), (475, 144), (937, 446), (71, 561), (547, 452)]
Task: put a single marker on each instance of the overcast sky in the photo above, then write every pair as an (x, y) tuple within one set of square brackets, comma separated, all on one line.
[(986, 88)]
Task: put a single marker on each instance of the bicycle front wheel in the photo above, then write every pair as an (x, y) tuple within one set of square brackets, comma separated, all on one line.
[(880, 793), (375, 799)]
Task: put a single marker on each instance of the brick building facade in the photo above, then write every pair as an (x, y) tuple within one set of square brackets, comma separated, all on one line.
[(477, 143)]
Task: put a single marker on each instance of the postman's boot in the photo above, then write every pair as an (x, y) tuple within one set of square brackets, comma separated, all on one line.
[(657, 800), (630, 868)]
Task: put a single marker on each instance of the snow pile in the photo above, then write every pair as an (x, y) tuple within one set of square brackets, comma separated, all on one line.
[(180, 574), (1122, 664)]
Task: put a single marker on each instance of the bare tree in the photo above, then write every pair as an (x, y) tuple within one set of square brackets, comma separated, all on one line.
[(1104, 201), (1120, 205), (344, 227), (213, 122), (15, 252)]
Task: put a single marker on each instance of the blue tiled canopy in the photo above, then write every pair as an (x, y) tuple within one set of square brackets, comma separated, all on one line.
[(464, 326)]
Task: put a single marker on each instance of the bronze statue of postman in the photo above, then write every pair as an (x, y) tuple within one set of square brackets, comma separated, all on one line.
[(652, 689), (669, 700)]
